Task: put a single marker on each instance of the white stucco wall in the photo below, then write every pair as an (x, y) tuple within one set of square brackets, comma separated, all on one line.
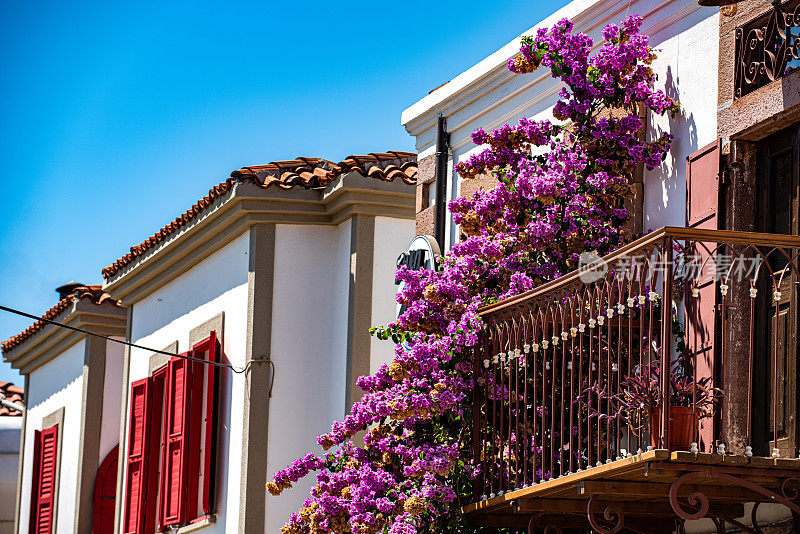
[(218, 284), (10, 429), (392, 237), (57, 384), (488, 95), (687, 69), (312, 276), (112, 399), (309, 341)]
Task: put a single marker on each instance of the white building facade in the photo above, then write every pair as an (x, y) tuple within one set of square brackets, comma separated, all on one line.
[(258, 303), (70, 424), (686, 38), (287, 266)]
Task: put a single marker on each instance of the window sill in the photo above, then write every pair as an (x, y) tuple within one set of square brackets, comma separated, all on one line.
[(192, 527)]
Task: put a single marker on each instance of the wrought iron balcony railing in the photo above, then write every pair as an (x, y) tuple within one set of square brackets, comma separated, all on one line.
[(570, 373)]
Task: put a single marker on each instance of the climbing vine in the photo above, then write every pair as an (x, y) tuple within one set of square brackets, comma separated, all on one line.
[(562, 190)]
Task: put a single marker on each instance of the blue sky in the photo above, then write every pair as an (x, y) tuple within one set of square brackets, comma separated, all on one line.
[(115, 118)]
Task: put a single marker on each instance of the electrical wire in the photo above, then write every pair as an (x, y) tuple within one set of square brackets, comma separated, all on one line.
[(128, 343), (11, 405)]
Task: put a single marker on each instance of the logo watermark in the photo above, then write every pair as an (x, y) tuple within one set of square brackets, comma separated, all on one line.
[(591, 267)]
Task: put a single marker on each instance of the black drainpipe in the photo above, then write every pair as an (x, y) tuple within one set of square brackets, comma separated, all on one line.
[(442, 145)]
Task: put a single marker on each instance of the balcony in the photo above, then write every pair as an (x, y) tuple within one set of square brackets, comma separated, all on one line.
[(575, 424)]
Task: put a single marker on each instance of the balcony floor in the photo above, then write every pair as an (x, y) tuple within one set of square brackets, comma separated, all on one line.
[(646, 493)]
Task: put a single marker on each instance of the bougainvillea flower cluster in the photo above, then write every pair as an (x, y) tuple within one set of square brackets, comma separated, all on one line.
[(562, 187)]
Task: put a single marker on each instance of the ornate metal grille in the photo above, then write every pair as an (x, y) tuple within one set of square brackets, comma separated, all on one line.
[(767, 49)]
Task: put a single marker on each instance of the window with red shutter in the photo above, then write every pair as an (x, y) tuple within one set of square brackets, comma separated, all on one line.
[(208, 350), (43, 491), (155, 417), (137, 458), (176, 435), (172, 443)]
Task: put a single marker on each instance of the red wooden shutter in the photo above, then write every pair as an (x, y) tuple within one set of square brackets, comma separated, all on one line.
[(174, 475), (208, 349), (193, 437), (43, 491), (136, 482), (156, 444), (105, 494), (702, 211)]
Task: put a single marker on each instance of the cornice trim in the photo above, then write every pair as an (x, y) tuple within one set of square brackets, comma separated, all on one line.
[(248, 205), (106, 319)]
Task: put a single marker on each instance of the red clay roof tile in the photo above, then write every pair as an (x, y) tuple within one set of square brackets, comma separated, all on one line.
[(305, 172), (93, 293), (14, 394)]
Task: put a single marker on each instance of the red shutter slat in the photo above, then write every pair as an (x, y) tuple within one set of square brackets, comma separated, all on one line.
[(702, 211), (209, 350), (135, 485), (174, 475)]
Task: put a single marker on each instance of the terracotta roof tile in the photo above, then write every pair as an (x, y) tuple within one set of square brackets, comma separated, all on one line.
[(93, 293), (305, 172), (13, 393)]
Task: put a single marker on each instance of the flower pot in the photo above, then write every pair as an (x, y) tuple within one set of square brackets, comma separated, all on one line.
[(681, 427)]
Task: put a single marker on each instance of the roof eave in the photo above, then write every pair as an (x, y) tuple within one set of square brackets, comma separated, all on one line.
[(246, 205), (421, 115), (107, 319)]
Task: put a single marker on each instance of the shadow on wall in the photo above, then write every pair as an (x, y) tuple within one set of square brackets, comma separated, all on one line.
[(672, 171), (216, 277), (55, 376)]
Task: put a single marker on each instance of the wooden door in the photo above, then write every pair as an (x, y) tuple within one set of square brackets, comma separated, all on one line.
[(775, 361), (105, 494)]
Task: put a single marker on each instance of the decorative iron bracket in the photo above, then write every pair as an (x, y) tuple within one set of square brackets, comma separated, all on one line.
[(611, 514), (549, 528), (700, 507)]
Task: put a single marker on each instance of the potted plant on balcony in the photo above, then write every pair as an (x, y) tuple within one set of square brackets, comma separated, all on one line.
[(640, 400)]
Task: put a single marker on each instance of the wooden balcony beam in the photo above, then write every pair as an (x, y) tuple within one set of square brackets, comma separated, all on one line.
[(577, 520), (612, 490), (555, 507), (650, 473)]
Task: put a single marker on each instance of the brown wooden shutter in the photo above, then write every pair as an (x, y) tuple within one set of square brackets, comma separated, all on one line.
[(702, 211), (702, 187)]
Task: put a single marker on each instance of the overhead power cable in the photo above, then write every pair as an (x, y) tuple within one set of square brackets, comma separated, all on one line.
[(128, 343)]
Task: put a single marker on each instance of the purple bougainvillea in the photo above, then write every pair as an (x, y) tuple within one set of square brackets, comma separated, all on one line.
[(562, 187)]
